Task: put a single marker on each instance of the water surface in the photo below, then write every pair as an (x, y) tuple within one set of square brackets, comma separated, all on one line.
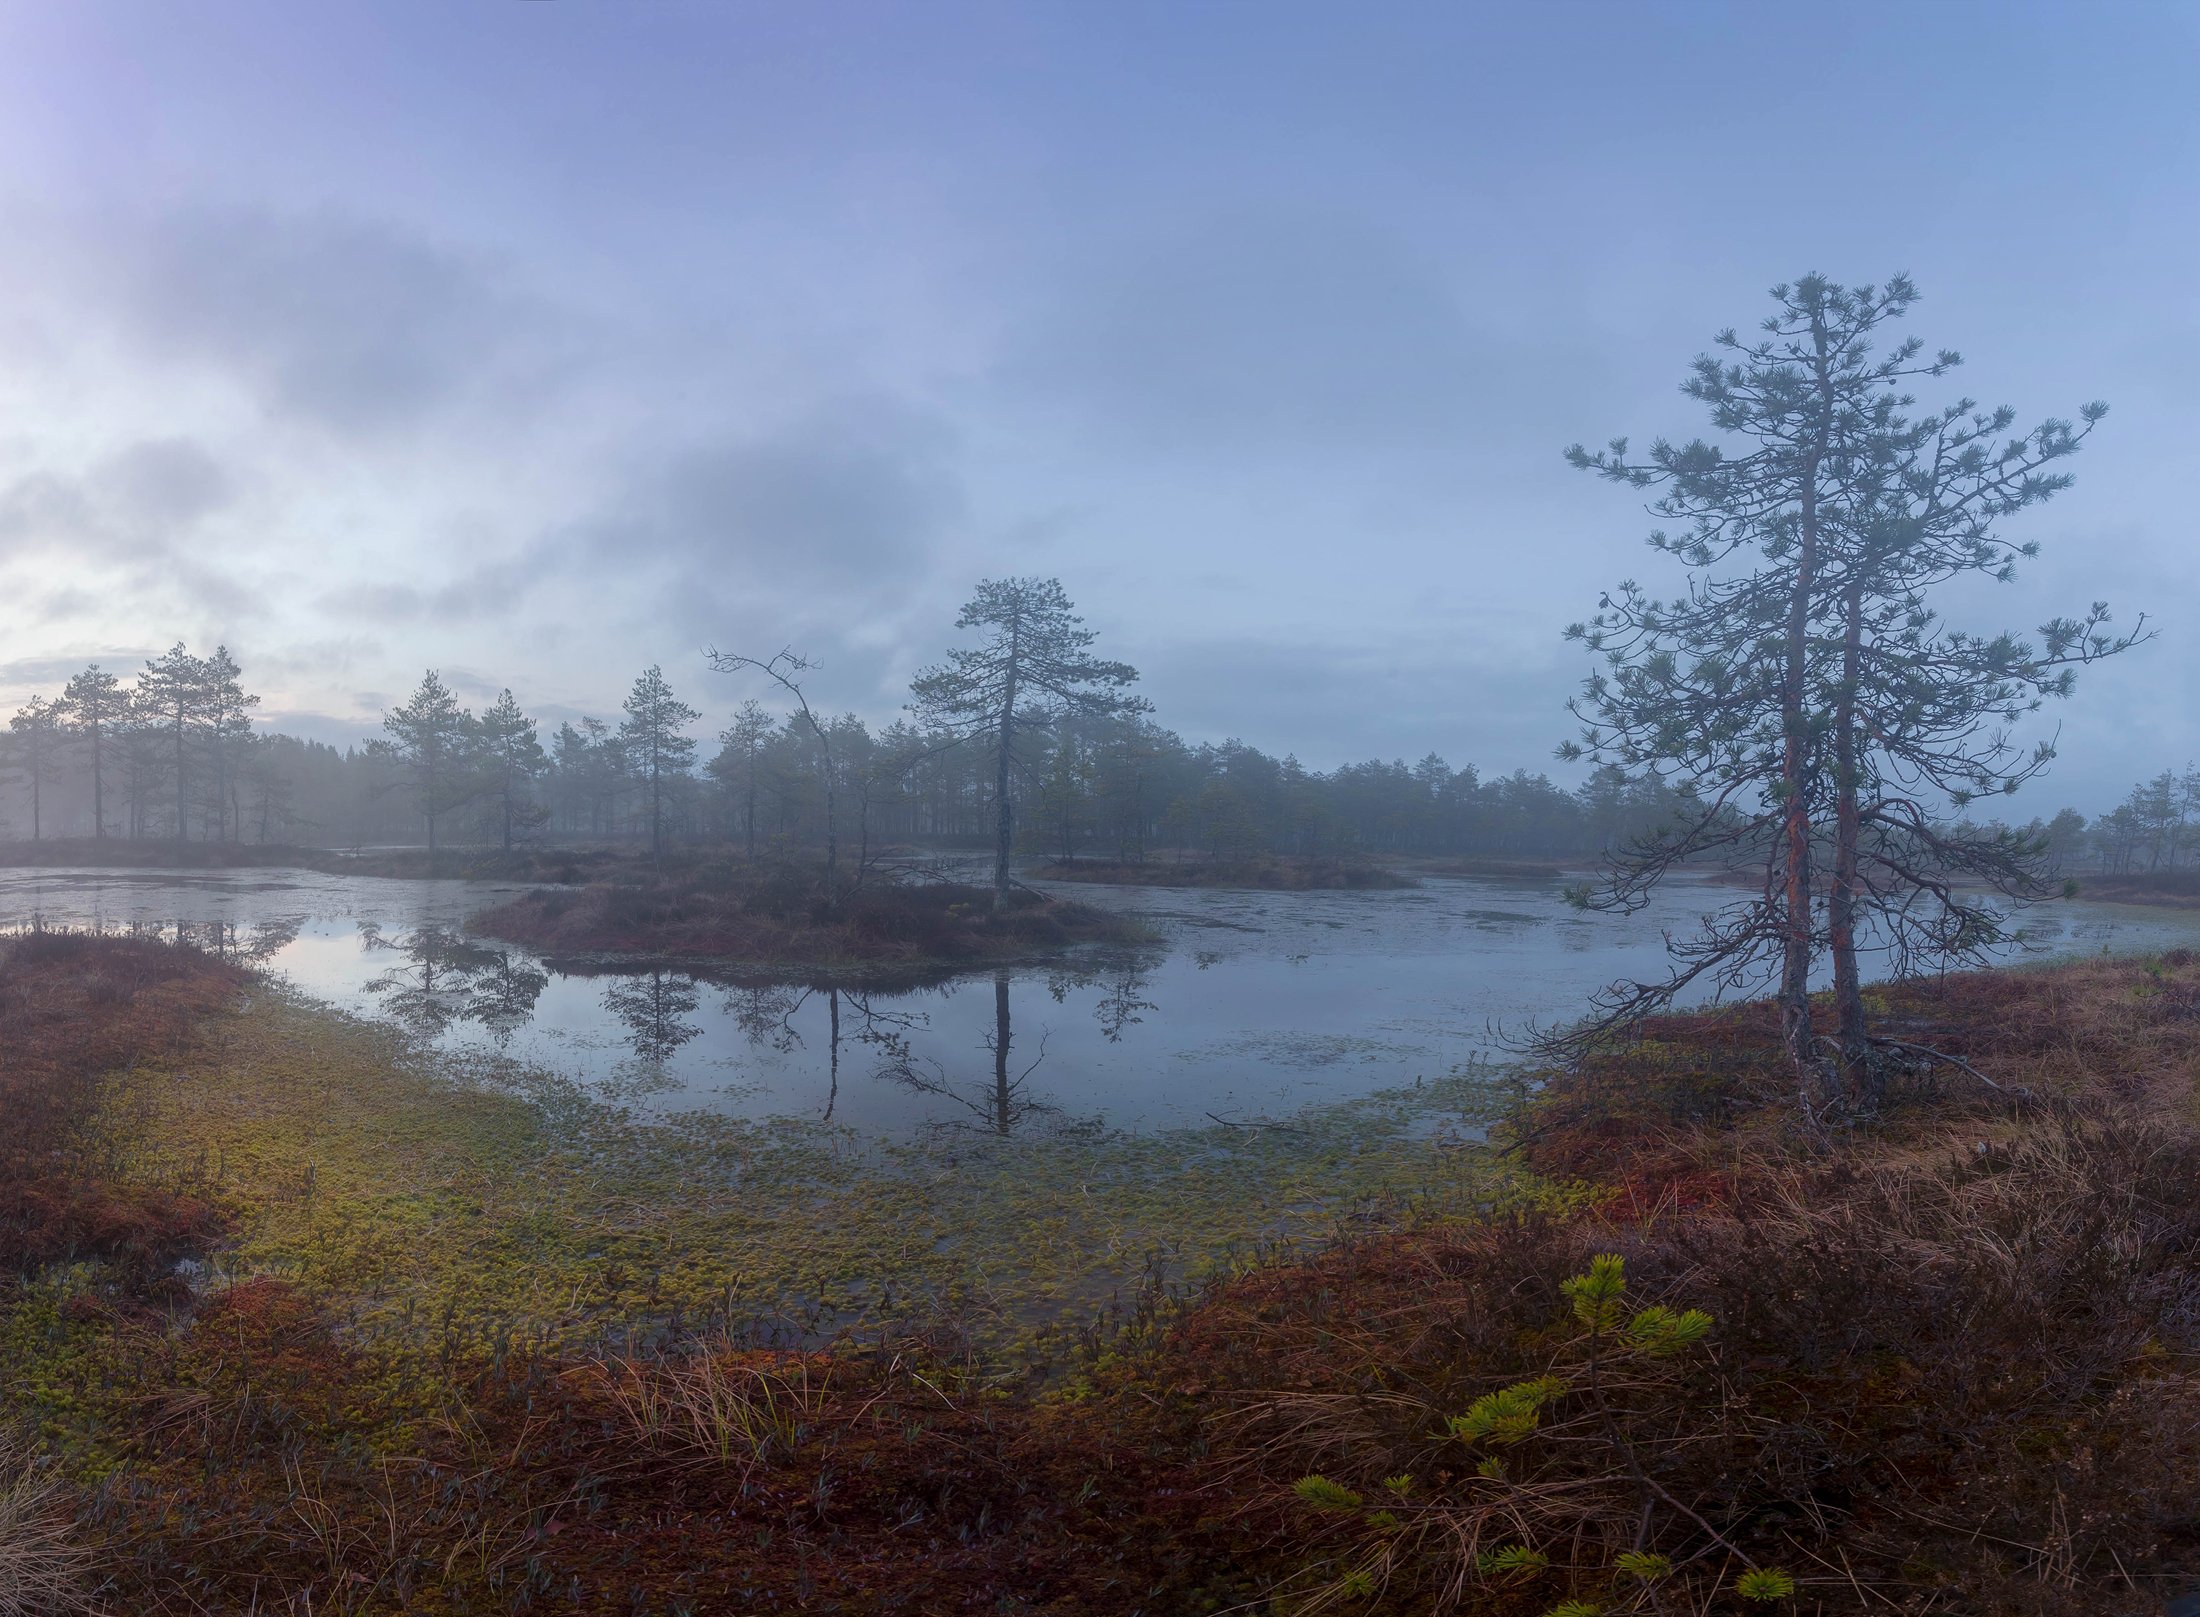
[(1254, 1005)]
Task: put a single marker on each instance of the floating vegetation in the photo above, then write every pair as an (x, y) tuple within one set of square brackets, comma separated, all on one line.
[(479, 1196)]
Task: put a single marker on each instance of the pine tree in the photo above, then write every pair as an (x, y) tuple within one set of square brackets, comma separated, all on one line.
[(429, 740), (512, 760), (1031, 668), (1803, 676), (656, 746), (226, 719), (740, 755), (95, 704), (36, 733), (171, 694)]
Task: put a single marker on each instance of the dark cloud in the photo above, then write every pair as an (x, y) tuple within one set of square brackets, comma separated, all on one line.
[(136, 504), (37, 672), (1248, 330), (856, 495), (346, 323), (163, 484), (67, 602), (485, 590)]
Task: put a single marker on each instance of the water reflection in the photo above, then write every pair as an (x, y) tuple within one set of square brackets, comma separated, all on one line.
[(445, 979), (651, 1007), (766, 1017), (261, 941), (1265, 1002), (997, 1108)]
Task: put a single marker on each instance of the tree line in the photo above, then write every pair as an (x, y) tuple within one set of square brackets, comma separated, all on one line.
[(173, 754)]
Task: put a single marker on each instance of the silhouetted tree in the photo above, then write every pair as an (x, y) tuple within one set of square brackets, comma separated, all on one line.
[(512, 759), (94, 704), (226, 718), (429, 741), (656, 745), (785, 669), (35, 735), (1032, 667), (172, 694), (740, 757)]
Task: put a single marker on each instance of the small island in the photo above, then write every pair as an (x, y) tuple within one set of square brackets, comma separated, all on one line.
[(1275, 873), (736, 915)]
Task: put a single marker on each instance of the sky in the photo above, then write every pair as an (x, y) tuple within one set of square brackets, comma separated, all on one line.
[(538, 341)]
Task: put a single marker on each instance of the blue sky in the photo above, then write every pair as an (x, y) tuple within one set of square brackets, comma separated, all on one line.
[(541, 340)]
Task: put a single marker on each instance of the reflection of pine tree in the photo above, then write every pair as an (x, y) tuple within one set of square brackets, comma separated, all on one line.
[(999, 1107), (447, 979), (504, 995), (652, 1006)]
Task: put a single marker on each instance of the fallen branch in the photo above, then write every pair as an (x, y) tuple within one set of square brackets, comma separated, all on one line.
[(2015, 1092)]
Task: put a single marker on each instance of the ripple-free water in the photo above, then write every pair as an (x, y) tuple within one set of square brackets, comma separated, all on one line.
[(1254, 1005)]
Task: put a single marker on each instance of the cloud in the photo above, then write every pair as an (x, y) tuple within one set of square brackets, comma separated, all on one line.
[(346, 323), (28, 672), (855, 494), (487, 590), (138, 503), (163, 484), (1337, 703), (1251, 330)]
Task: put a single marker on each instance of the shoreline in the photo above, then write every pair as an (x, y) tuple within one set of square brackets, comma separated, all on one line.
[(1059, 1345)]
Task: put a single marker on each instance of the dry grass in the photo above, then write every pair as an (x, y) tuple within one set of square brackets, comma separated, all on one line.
[(43, 1566), (74, 1009), (1954, 1364), (1951, 1368)]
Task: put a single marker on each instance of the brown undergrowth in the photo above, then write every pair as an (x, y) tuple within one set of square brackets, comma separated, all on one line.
[(1950, 1362), (73, 1010), (1946, 1363), (766, 915)]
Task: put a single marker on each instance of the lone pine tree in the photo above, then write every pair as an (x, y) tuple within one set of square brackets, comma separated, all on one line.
[(1031, 667)]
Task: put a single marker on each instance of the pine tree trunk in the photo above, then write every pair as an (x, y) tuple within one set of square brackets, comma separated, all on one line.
[(1848, 994), (1795, 769), (1004, 813)]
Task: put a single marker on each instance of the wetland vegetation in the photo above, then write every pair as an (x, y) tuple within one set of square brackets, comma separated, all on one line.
[(300, 1308), (987, 1153), (781, 919)]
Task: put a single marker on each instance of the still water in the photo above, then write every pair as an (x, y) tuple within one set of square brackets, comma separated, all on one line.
[(1254, 1004)]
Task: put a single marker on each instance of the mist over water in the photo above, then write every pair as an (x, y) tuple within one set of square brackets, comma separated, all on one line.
[(1252, 1006)]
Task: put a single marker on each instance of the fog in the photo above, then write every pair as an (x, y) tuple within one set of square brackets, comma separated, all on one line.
[(542, 343)]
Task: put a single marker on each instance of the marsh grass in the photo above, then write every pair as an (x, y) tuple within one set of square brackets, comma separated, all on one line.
[(710, 1408), (1954, 1358), (43, 1564), (477, 1342)]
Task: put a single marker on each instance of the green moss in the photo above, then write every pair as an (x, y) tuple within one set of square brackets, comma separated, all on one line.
[(463, 1208)]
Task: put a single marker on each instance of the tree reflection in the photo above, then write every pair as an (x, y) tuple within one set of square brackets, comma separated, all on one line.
[(652, 1007), (1119, 1005), (766, 1016), (999, 1108), (446, 979)]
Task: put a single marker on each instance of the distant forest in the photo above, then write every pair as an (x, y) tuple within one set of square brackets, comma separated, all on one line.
[(173, 754)]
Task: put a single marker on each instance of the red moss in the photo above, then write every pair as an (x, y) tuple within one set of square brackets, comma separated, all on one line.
[(72, 1010)]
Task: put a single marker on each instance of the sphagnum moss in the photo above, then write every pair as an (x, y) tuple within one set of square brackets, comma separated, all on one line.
[(463, 1208)]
